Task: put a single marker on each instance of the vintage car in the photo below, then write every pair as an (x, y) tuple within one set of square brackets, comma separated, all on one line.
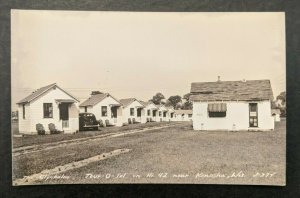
[(87, 121)]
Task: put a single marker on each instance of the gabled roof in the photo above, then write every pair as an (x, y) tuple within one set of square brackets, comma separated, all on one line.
[(40, 92), (127, 101), (161, 106), (146, 103), (231, 90), (95, 99), (183, 111)]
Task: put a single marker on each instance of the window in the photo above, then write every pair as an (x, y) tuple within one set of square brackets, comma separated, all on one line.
[(217, 114), (104, 111), (85, 109), (148, 112), (253, 117), (217, 110), (131, 111), (190, 115), (48, 110), (23, 111), (165, 114), (159, 113)]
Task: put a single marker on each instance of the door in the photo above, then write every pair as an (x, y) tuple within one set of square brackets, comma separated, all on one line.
[(114, 114), (64, 114), (253, 117)]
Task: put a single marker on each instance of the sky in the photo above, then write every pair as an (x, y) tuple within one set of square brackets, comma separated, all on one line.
[(137, 54)]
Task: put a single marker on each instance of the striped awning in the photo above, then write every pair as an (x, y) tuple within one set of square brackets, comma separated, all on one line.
[(217, 107)]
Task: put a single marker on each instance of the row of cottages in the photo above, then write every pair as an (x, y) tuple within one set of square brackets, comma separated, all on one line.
[(232, 105), (52, 104), (49, 104)]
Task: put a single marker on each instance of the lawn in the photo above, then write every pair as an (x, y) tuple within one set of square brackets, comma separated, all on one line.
[(169, 153), (28, 140)]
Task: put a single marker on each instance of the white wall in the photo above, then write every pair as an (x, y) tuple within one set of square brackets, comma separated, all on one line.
[(96, 110), (237, 117), (37, 114), (24, 124)]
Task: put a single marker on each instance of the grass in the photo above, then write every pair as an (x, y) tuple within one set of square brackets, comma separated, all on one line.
[(173, 150), (28, 140)]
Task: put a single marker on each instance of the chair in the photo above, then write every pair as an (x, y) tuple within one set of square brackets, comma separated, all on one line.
[(53, 129), (100, 122), (107, 123), (129, 121), (40, 129), (133, 121)]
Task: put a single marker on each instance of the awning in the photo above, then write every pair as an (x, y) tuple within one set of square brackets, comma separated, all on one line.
[(217, 107), (114, 105), (65, 101)]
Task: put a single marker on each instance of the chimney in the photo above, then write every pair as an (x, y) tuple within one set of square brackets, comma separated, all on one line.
[(219, 78)]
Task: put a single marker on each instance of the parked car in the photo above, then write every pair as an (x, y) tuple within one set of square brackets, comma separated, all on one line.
[(87, 121)]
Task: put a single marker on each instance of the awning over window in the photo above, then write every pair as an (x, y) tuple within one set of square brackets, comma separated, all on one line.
[(217, 107), (64, 101), (114, 105)]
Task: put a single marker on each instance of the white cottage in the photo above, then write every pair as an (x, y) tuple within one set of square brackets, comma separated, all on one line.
[(183, 115), (49, 104), (170, 113), (161, 114), (232, 105), (132, 110), (148, 112), (105, 107)]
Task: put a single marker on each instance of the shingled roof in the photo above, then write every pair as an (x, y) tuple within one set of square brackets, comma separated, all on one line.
[(127, 101), (95, 99), (41, 91), (232, 90), (145, 103)]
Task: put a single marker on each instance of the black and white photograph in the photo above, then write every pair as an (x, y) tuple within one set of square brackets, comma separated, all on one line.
[(106, 97)]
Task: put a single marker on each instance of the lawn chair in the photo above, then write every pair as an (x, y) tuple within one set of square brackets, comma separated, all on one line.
[(40, 129), (101, 124), (129, 121), (108, 124), (133, 121), (53, 129), (148, 119)]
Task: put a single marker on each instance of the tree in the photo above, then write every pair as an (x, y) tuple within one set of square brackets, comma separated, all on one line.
[(174, 100), (96, 92), (187, 104), (281, 98), (157, 98)]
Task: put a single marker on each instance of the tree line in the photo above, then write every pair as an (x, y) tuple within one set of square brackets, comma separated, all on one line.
[(177, 102)]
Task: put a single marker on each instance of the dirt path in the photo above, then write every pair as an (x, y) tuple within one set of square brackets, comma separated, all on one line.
[(47, 146)]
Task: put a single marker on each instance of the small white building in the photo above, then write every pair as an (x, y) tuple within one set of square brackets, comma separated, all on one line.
[(232, 105), (105, 107), (161, 113), (170, 113), (132, 110), (49, 104), (183, 115), (276, 114), (147, 113)]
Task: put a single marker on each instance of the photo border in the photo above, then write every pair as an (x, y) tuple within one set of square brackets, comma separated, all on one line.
[(290, 7)]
